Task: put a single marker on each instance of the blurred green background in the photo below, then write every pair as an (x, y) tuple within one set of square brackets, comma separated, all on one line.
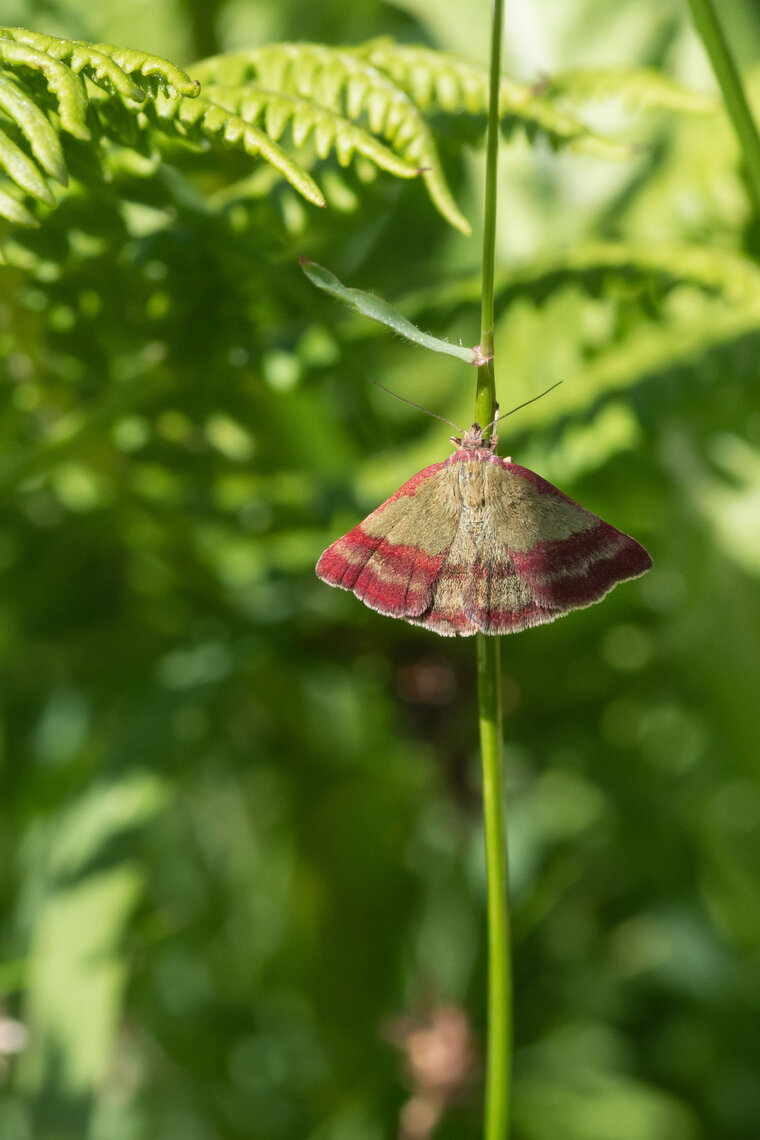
[(240, 830)]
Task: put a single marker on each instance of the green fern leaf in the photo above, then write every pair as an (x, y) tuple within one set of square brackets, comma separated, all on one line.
[(366, 103), (641, 88), (342, 82), (201, 119), (713, 270), (329, 130), (164, 76), (23, 171), (650, 354), (440, 81), (64, 84), (597, 267), (14, 211), (81, 58), (36, 128), (112, 67), (133, 77)]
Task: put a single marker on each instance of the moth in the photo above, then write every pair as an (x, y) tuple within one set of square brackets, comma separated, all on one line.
[(477, 543)]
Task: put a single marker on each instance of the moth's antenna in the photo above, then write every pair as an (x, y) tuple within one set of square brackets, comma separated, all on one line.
[(419, 408), (495, 425), (538, 397)]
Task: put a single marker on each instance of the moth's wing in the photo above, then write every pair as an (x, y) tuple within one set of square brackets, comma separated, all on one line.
[(392, 558), (542, 554)]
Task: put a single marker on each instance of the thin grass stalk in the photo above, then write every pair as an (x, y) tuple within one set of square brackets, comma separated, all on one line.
[(727, 73), (499, 1055), (499, 1040)]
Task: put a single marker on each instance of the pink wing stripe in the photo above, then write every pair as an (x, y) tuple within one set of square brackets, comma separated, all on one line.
[(579, 570), (339, 564), (396, 582)]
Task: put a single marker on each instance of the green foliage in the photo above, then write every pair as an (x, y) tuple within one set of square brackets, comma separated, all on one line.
[(49, 75), (440, 81), (84, 902), (344, 84), (370, 101), (202, 120), (240, 812)]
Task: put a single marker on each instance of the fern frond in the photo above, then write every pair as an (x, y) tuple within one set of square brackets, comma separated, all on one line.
[(596, 269), (112, 67), (202, 120), (162, 75), (120, 78), (653, 353), (36, 128), (23, 171), (14, 211), (439, 81), (64, 65), (370, 101), (306, 119), (640, 88), (347, 85), (63, 83)]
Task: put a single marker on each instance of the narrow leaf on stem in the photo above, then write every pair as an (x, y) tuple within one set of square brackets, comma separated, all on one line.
[(378, 310)]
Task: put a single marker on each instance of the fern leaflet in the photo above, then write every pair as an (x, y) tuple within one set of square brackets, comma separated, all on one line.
[(441, 81), (640, 88), (202, 119), (346, 85), (329, 130)]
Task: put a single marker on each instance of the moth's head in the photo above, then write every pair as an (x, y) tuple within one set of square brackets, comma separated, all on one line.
[(475, 439)]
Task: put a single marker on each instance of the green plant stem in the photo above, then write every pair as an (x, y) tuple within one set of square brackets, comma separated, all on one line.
[(485, 397), (499, 1059), (498, 1065), (727, 74)]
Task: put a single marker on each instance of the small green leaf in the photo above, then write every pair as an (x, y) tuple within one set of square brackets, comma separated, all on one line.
[(214, 122), (67, 87), (328, 128), (15, 212), (172, 79), (36, 127), (23, 171), (378, 310), (96, 64), (111, 66)]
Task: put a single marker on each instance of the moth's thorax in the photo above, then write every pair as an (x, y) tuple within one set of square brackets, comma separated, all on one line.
[(471, 466)]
